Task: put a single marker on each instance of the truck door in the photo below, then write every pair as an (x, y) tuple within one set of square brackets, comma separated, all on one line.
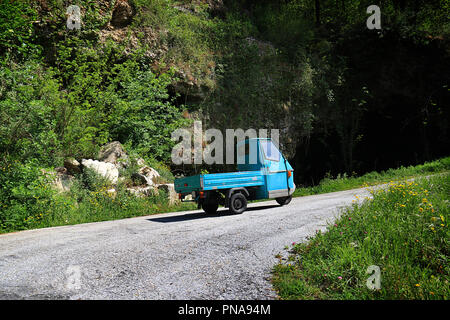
[(251, 158), (278, 182)]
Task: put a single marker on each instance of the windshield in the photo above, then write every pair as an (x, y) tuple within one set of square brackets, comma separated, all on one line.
[(270, 151)]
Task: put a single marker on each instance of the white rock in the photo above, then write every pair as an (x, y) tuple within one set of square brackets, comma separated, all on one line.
[(149, 174), (105, 169)]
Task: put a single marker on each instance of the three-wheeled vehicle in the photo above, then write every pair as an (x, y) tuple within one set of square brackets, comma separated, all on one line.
[(263, 173)]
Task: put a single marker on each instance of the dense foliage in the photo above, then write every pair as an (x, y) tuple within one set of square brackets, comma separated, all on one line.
[(369, 99)]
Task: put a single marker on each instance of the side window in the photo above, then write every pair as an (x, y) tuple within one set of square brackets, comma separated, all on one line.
[(270, 151), (244, 150), (247, 152)]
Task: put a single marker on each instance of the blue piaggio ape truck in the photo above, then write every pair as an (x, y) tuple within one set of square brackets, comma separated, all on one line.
[(263, 173)]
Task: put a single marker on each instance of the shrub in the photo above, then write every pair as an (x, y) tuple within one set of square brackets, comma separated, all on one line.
[(25, 194), (17, 37)]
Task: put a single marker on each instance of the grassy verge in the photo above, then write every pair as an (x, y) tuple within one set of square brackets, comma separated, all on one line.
[(97, 206), (403, 230), (343, 182), (61, 209)]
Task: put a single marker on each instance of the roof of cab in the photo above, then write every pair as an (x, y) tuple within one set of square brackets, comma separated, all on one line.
[(246, 140)]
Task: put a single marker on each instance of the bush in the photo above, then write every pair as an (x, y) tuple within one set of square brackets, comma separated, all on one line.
[(25, 195), (29, 105), (17, 38)]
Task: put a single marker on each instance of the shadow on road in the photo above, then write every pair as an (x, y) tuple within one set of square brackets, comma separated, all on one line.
[(201, 215)]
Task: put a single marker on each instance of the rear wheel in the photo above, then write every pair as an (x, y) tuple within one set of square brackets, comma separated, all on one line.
[(284, 200), (238, 203), (210, 204)]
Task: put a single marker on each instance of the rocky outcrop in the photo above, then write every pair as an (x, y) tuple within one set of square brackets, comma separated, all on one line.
[(63, 182), (143, 191), (112, 157)]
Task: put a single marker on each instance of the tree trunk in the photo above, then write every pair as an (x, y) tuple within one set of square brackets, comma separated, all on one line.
[(317, 6)]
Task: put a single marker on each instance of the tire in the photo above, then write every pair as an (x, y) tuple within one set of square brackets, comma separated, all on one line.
[(210, 207), (238, 203), (284, 200)]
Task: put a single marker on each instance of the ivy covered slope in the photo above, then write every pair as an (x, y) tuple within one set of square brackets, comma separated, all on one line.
[(78, 89), (135, 71)]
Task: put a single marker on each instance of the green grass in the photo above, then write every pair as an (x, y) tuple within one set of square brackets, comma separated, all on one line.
[(60, 209), (344, 182), (403, 230), (98, 206)]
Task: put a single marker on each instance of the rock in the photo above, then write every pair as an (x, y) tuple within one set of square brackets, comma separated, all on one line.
[(113, 153), (72, 166), (105, 169), (149, 174), (112, 192), (216, 8), (143, 192), (264, 48), (122, 14), (59, 180), (61, 170), (169, 188), (139, 178), (63, 182), (183, 9), (140, 162)]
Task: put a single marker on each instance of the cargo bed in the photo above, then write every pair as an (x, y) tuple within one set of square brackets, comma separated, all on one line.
[(217, 181)]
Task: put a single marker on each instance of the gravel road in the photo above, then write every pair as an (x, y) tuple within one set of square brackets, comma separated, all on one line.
[(183, 255)]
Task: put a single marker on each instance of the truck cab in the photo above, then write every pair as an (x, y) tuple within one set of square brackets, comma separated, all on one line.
[(263, 173)]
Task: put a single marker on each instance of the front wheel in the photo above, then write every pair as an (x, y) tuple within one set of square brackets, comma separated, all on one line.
[(284, 200), (238, 203)]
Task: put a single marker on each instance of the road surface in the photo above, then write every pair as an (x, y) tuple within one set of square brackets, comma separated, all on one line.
[(182, 255)]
